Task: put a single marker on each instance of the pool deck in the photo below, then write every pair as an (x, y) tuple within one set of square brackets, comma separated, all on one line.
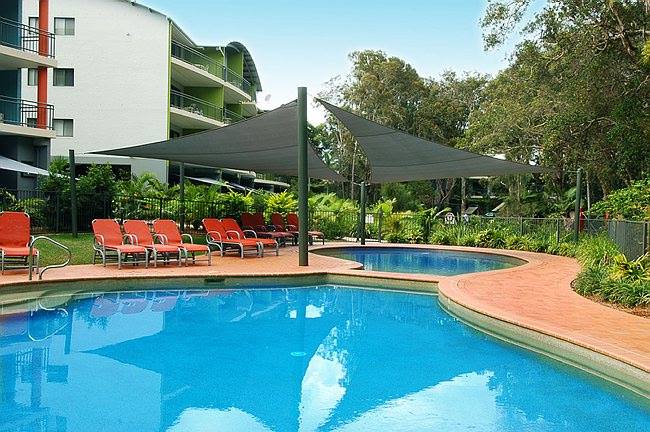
[(536, 296)]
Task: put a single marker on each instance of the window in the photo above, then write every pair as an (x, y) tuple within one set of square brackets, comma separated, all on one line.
[(32, 77), (63, 127), (64, 77), (64, 26), (33, 22)]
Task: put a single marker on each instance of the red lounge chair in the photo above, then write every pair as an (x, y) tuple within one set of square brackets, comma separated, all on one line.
[(109, 239), (168, 232), (294, 222), (217, 235), (15, 239), (232, 226), (139, 232), (256, 223)]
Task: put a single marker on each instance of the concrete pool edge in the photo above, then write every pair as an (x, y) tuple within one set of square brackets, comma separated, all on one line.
[(612, 362), (601, 365)]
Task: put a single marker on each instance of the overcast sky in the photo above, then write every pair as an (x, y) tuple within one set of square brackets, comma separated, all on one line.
[(307, 42)]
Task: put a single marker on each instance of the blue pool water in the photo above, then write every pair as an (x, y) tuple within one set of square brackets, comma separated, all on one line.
[(296, 359), (426, 261)]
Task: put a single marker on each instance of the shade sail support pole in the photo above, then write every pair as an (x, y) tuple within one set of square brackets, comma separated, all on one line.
[(576, 216), (303, 179), (73, 193), (362, 213), (181, 196)]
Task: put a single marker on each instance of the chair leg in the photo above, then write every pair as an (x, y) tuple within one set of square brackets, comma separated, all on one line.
[(146, 259), (155, 258), (277, 249), (119, 260), (209, 257)]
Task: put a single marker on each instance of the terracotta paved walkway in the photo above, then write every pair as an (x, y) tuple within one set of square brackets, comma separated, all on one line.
[(536, 295)]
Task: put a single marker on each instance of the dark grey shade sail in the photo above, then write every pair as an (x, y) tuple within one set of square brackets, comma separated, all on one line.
[(13, 165), (396, 156), (266, 143)]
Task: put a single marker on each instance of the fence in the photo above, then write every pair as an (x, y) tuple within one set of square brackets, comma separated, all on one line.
[(51, 212)]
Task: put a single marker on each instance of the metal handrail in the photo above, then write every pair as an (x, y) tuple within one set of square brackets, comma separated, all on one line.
[(231, 116), (196, 58), (52, 266), (25, 113), (195, 105), (25, 38)]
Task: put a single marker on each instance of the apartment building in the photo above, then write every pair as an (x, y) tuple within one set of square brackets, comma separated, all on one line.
[(26, 121), (127, 75)]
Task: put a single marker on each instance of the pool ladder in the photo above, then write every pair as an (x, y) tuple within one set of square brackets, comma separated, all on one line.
[(46, 268)]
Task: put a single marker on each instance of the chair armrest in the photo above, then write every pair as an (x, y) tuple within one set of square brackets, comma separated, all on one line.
[(188, 235), (212, 234), (162, 237), (253, 233), (261, 228), (131, 238), (292, 227), (99, 240), (236, 232)]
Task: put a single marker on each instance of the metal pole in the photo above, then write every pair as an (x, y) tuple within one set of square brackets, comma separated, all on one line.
[(181, 196), (576, 217), (73, 193), (303, 179), (362, 214), (463, 196), (380, 216)]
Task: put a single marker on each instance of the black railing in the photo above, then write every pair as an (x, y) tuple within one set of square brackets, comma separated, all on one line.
[(231, 116), (20, 36), (51, 212), (199, 60), (25, 113), (195, 105)]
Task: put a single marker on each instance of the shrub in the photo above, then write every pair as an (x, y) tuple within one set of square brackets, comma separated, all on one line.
[(283, 203), (632, 202)]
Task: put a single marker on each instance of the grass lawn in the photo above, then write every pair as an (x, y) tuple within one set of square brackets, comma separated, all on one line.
[(81, 248)]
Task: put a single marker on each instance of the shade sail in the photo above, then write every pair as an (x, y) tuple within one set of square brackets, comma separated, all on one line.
[(13, 165), (396, 156), (266, 143)]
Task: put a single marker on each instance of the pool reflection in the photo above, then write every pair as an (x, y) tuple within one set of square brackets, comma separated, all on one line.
[(317, 358)]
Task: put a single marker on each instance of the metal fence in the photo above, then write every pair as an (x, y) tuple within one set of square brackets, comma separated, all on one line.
[(21, 112), (51, 212), (26, 38)]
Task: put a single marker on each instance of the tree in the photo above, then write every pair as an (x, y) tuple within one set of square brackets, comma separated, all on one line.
[(576, 93)]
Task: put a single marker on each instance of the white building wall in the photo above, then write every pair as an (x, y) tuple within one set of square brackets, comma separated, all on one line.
[(120, 54)]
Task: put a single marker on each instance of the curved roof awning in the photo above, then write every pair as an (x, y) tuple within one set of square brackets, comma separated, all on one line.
[(395, 156), (266, 143), (250, 70)]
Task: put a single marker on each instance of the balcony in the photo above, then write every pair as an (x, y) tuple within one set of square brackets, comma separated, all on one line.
[(192, 68), (189, 112), (22, 46), (20, 117)]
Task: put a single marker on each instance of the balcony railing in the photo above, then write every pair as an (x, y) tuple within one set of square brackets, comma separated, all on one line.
[(195, 105), (201, 61), (231, 116), (25, 113), (26, 38)]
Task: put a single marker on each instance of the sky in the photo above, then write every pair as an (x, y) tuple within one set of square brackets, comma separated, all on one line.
[(306, 43)]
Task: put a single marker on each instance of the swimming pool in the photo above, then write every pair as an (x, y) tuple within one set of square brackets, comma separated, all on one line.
[(313, 358), (423, 261)]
